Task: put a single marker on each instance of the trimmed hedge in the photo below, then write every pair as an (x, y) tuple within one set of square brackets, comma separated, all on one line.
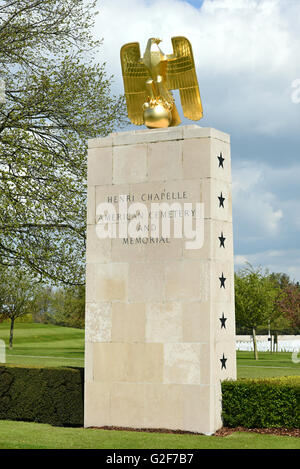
[(55, 396), (44, 395), (262, 403)]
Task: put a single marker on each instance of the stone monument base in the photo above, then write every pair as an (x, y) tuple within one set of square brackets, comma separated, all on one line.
[(160, 323)]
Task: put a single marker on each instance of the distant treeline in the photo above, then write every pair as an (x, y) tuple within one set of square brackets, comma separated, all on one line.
[(266, 302)]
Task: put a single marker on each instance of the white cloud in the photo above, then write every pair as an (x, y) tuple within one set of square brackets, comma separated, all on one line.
[(267, 216), (240, 260), (256, 209), (245, 52), (266, 199), (286, 260)]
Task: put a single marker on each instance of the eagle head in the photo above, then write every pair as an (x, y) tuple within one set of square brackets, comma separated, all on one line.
[(154, 41)]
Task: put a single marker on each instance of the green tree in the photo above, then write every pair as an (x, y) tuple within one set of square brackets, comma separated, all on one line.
[(281, 279), (44, 303), (68, 306), (288, 304), (18, 294), (57, 96), (255, 296)]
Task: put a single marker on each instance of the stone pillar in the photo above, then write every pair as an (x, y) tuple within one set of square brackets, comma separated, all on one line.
[(160, 322)]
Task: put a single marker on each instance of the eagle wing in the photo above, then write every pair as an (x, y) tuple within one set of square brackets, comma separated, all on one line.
[(135, 75), (181, 74)]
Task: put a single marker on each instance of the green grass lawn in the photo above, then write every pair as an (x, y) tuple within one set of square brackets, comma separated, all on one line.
[(47, 345), (268, 365), (44, 345), (20, 435)]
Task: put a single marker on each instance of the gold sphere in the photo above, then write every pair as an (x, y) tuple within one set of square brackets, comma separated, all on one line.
[(157, 117)]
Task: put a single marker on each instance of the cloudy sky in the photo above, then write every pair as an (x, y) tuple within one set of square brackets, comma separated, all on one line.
[(247, 57)]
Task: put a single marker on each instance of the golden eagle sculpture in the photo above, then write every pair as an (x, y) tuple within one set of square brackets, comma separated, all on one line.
[(149, 79)]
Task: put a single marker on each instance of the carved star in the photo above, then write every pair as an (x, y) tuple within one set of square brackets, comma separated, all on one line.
[(222, 240), (223, 360), (222, 280), (221, 160), (221, 200), (223, 321)]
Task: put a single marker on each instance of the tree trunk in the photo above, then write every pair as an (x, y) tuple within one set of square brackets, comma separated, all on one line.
[(255, 344), (11, 335)]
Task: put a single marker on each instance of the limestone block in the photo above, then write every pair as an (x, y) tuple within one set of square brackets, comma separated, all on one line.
[(98, 322), (97, 406), (128, 250), (206, 353), (222, 240), (91, 205), (164, 322), (164, 250), (165, 161), (217, 200), (110, 362), (88, 361), (144, 136), (182, 363), (145, 363), (197, 412), (145, 282), (195, 131), (225, 350), (221, 160), (164, 406), (145, 249), (136, 362), (128, 322), (110, 282), (224, 321), (90, 283), (196, 158), (217, 244), (127, 405), (100, 166), (206, 158), (222, 281), (216, 417), (98, 249), (187, 280), (158, 135), (130, 164), (196, 318), (100, 142)]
